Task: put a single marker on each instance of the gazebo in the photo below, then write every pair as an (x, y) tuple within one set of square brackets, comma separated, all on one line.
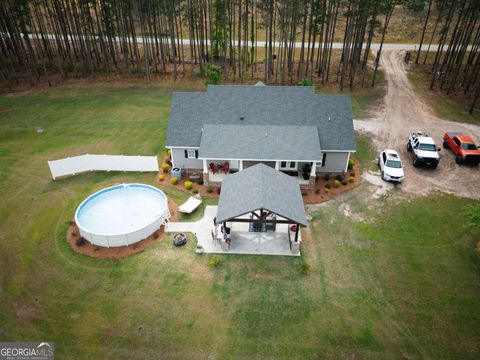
[(265, 200)]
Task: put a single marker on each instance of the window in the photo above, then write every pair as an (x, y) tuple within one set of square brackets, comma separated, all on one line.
[(469, 146), (428, 147), (456, 141), (384, 157), (324, 159), (288, 165), (191, 154)]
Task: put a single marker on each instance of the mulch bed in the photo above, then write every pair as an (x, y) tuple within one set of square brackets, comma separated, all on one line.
[(315, 196), (114, 253)]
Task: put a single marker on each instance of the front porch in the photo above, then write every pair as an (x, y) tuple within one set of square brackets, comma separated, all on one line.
[(214, 171)]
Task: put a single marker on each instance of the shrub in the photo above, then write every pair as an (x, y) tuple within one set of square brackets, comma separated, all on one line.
[(352, 174), (195, 191), (351, 179), (327, 177), (169, 153), (351, 164), (174, 180), (305, 267), (165, 167), (327, 190), (219, 190), (304, 193), (317, 191), (200, 181), (155, 235), (339, 177), (161, 177), (188, 185), (305, 82), (328, 186), (212, 73), (336, 183), (215, 262), (209, 189), (345, 182), (81, 241)]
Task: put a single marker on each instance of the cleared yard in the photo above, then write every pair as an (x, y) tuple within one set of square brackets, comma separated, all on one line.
[(405, 283)]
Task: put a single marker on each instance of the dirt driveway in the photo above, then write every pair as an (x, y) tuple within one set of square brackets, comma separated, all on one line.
[(404, 112)]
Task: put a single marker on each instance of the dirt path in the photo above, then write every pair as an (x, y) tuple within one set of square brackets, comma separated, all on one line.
[(404, 112)]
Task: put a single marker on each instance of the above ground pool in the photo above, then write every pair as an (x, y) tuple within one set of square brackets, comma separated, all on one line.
[(122, 215)]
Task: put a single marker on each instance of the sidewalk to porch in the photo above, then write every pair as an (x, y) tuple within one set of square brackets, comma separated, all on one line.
[(243, 241)]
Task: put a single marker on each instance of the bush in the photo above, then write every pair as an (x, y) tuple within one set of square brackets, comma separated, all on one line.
[(327, 177), (351, 164), (345, 182), (305, 267), (352, 174), (304, 193), (174, 180), (161, 177), (195, 191), (328, 186), (351, 179), (188, 185), (305, 82), (165, 167), (212, 73), (81, 241), (336, 183), (317, 191), (327, 190), (200, 181), (340, 177), (209, 189), (169, 153), (219, 190), (155, 235), (215, 262)]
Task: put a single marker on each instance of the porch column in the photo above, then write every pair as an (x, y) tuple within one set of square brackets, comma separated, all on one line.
[(277, 165), (205, 172), (313, 175), (295, 245), (240, 165)]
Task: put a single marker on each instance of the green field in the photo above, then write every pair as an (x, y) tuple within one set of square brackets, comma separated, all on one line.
[(402, 284)]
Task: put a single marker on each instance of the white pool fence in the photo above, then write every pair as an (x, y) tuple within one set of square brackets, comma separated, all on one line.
[(83, 163)]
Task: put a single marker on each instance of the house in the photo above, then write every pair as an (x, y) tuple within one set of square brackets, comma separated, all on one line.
[(232, 127)]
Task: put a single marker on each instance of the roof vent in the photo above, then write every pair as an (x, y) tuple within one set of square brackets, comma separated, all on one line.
[(242, 117)]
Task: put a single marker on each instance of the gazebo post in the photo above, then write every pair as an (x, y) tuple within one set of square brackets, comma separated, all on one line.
[(297, 229)]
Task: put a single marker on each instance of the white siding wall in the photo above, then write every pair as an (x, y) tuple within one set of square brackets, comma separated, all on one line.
[(179, 160), (334, 162)]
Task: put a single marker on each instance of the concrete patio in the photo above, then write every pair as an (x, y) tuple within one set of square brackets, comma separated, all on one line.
[(243, 241)]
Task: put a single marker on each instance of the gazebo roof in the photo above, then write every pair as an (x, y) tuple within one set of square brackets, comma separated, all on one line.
[(261, 187)]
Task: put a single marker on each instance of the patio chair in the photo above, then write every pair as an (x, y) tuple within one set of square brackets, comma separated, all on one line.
[(226, 167), (212, 168)]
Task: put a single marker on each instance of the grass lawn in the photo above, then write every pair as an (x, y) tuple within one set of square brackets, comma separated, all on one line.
[(454, 108), (404, 284)]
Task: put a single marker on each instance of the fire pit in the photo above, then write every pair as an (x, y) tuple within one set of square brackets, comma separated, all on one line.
[(179, 240)]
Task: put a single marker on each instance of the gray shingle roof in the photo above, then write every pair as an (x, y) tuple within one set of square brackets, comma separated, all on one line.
[(261, 187), (263, 106), (251, 142)]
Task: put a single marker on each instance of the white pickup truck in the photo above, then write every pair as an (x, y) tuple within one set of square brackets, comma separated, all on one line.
[(423, 149)]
